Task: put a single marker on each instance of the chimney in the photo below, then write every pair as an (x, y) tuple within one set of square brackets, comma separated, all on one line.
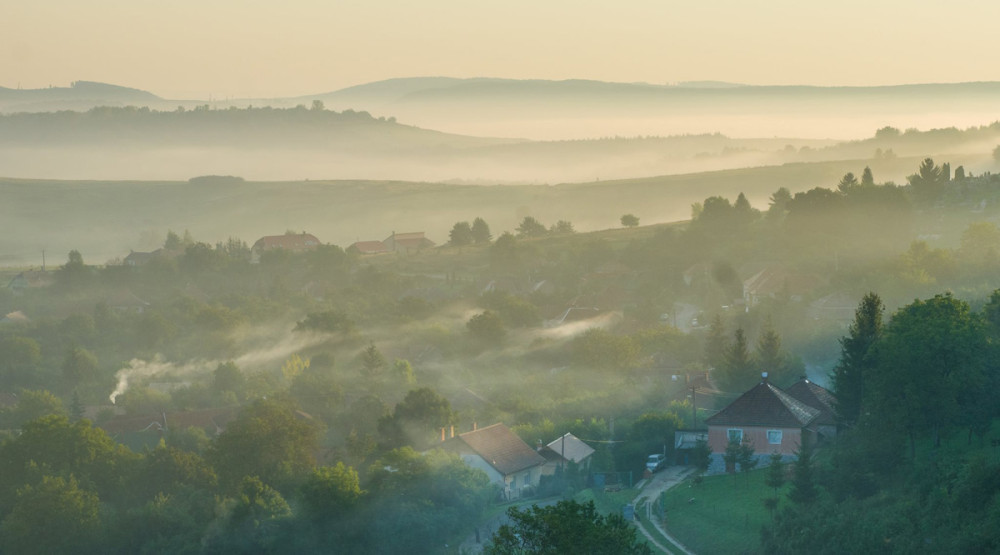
[(453, 430), (474, 426), (442, 434), (763, 377), (538, 445)]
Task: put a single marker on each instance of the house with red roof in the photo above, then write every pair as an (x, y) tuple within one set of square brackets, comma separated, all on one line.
[(509, 462), (292, 242), (407, 242), (767, 418), (820, 399), (368, 247)]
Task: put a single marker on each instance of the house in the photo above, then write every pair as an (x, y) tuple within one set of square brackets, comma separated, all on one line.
[(16, 317), (368, 247), (685, 442), (30, 279), (767, 418), (820, 399), (292, 242), (508, 461), (136, 258), (776, 282), (564, 449), (407, 242), (138, 431)]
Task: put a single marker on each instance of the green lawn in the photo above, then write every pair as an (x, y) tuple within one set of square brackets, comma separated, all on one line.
[(725, 516)]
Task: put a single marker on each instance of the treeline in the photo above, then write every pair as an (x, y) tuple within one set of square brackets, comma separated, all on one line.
[(912, 471), (198, 126), (255, 488)]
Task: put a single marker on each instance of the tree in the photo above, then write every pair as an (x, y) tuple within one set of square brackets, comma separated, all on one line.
[(630, 220), (78, 365), (372, 362), (269, 440), (32, 405), (481, 231), (927, 182), (293, 367), (715, 344), (803, 490), (18, 358), (701, 455), (74, 274), (867, 179), (505, 252), (566, 527), (731, 456), (416, 419), (461, 235), (738, 372), (228, 377), (601, 349), (769, 357), (331, 491), (852, 370), (530, 227), (487, 326), (847, 183), (778, 205), (746, 458), (775, 478), (929, 357), (562, 227), (53, 516), (404, 371)]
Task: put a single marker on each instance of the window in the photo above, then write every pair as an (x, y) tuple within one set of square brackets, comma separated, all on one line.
[(774, 437), (735, 434)]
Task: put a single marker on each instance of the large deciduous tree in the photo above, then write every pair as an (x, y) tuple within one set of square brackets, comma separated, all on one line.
[(930, 356), (566, 527), (269, 439)]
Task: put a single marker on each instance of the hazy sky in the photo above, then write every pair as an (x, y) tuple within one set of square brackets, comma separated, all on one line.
[(254, 48)]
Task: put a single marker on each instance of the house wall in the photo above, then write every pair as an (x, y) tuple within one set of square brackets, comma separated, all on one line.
[(718, 439), (475, 461)]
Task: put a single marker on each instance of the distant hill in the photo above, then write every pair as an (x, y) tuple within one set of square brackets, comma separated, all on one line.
[(573, 108), (81, 95)]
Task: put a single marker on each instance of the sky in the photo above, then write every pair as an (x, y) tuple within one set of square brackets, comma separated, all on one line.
[(187, 49)]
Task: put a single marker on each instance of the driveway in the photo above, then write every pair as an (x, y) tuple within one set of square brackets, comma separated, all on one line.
[(651, 490)]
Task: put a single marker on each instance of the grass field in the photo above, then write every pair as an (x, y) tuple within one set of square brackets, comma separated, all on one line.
[(723, 514)]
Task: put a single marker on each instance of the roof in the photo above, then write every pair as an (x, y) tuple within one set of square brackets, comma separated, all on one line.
[(289, 241), (816, 397), (16, 317), (32, 278), (571, 448), (406, 236), (369, 247), (412, 240), (136, 258), (502, 449), (765, 405), (688, 439), (214, 420)]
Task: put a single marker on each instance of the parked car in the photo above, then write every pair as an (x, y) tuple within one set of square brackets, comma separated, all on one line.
[(655, 462)]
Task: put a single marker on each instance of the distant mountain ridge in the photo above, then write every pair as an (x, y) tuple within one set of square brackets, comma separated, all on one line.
[(80, 95)]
